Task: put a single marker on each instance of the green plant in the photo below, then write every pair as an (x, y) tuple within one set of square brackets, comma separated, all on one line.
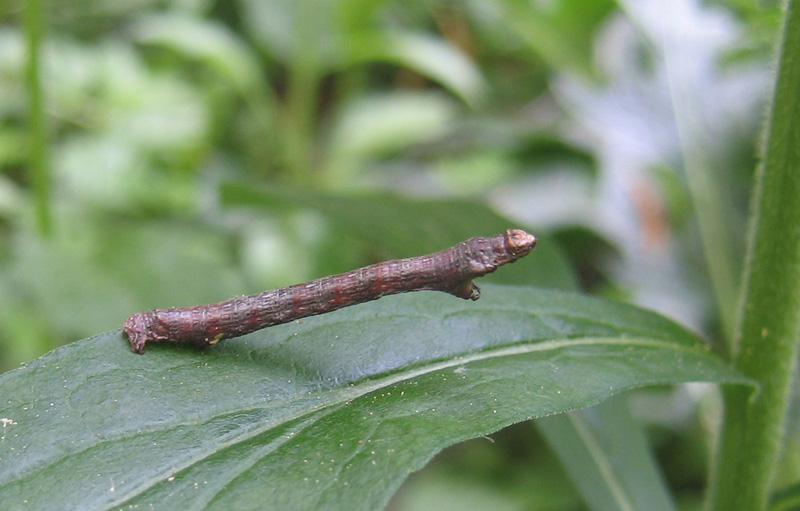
[(214, 115)]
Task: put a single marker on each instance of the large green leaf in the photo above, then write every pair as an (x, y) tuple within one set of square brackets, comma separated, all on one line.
[(331, 412)]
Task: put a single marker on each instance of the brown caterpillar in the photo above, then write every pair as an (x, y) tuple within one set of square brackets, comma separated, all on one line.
[(450, 270)]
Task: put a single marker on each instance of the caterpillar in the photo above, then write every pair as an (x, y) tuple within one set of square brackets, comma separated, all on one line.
[(450, 271)]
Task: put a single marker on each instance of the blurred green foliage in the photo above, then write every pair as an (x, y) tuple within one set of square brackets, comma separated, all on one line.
[(191, 150), (151, 107)]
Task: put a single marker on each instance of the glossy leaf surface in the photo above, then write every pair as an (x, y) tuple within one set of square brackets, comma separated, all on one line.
[(331, 412)]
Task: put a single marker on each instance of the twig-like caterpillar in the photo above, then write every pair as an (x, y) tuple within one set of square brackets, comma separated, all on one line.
[(450, 270)]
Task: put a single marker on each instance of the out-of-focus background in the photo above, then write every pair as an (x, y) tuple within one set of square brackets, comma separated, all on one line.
[(134, 135)]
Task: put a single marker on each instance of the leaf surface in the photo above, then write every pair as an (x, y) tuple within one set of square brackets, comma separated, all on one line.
[(331, 412)]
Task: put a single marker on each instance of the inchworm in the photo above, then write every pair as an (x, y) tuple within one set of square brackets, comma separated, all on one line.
[(450, 270)]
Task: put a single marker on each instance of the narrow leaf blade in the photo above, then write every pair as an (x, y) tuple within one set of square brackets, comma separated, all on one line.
[(606, 453)]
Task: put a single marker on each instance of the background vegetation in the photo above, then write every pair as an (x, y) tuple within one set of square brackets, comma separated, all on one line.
[(173, 153)]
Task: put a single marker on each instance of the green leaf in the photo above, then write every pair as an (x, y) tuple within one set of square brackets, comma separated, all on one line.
[(220, 50), (562, 33), (207, 42), (332, 412), (405, 227), (431, 57), (605, 451), (786, 498), (383, 124), (275, 26)]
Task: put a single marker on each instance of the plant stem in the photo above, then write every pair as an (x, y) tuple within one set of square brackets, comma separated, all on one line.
[(37, 151), (751, 435)]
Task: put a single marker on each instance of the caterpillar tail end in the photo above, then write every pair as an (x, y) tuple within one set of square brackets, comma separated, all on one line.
[(136, 329)]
